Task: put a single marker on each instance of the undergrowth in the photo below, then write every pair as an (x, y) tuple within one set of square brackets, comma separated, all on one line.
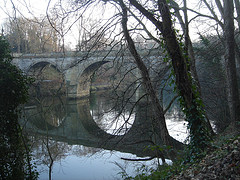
[(165, 171)]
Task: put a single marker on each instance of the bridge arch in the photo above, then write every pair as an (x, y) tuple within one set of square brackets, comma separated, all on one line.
[(49, 80), (85, 79)]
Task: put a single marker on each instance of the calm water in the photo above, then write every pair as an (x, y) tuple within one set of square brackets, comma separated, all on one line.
[(67, 137)]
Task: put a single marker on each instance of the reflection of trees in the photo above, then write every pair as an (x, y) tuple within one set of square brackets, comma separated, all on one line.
[(43, 146), (79, 150), (49, 113), (48, 151)]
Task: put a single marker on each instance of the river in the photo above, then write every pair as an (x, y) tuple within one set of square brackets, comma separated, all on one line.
[(67, 138)]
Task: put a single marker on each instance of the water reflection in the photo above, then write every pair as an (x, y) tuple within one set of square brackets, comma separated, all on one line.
[(114, 124), (101, 119), (46, 113), (72, 137), (113, 121)]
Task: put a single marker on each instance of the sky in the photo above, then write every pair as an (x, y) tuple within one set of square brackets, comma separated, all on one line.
[(37, 8), (23, 7)]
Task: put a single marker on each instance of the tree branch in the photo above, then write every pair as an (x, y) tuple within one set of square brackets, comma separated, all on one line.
[(146, 13), (170, 104)]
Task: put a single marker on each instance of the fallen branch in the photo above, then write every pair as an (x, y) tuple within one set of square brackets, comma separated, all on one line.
[(140, 159)]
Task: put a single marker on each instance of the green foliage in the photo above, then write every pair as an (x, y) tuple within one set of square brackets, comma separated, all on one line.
[(4, 50), (159, 148), (199, 135), (204, 40), (13, 91), (14, 85), (14, 156)]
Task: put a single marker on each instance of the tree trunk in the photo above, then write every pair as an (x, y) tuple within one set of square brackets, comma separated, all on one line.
[(188, 42), (232, 86), (184, 81), (159, 124)]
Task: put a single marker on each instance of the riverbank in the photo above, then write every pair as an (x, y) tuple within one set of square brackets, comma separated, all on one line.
[(221, 162)]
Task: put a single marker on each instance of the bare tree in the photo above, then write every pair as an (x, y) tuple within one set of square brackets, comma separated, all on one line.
[(233, 94), (31, 35), (223, 15)]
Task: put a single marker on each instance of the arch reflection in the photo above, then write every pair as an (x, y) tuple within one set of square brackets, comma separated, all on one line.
[(72, 121), (46, 113), (108, 117)]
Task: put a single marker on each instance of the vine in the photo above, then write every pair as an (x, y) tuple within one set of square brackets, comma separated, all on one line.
[(199, 135)]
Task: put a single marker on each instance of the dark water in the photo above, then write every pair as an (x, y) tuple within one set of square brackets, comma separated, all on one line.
[(68, 137)]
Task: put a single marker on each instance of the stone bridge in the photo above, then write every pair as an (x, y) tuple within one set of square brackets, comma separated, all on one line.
[(71, 72)]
